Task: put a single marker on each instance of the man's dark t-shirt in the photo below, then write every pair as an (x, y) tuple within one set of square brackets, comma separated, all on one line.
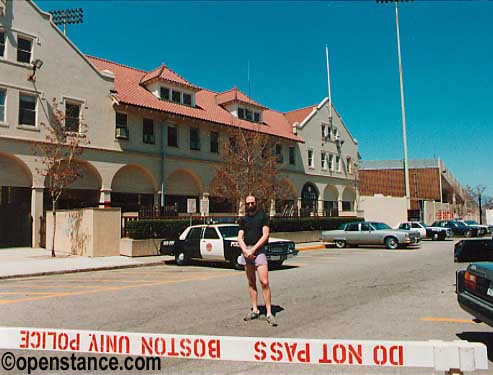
[(252, 226)]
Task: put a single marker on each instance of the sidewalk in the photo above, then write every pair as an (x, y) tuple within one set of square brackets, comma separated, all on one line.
[(26, 261)]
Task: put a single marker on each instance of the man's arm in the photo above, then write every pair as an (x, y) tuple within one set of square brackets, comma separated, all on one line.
[(241, 241), (263, 240)]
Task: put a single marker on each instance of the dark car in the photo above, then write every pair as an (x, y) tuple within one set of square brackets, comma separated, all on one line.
[(459, 229), (474, 286), (219, 242)]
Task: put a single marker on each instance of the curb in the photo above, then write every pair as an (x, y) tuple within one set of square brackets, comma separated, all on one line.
[(92, 269)]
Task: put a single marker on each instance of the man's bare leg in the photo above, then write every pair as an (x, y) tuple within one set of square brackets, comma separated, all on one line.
[(263, 275), (252, 285)]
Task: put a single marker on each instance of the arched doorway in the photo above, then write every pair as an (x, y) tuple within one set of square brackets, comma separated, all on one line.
[(331, 197), (132, 189), (15, 202), (181, 185), (348, 199), (83, 192), (309, 199)]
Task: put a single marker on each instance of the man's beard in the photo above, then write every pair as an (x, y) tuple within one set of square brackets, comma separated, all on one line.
[(251, 209)]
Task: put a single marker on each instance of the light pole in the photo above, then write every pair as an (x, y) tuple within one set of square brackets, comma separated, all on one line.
[(65, 16), (403, 110)]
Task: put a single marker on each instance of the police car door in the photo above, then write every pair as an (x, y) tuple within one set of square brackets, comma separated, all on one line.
[(212, 245)]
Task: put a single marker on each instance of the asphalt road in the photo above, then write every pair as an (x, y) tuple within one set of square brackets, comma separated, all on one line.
[(360, 293)]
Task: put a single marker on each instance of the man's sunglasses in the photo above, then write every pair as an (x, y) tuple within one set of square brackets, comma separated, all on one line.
[(250, 203)]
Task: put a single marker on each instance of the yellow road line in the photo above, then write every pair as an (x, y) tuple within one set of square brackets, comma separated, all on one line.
[(447, 320), (104, 289), (313, 247)]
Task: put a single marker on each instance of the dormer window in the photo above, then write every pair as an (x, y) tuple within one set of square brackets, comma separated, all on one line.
[(164, 93), (248, 114), (241, 113), (187, 99), (176, 96), (256, 116)]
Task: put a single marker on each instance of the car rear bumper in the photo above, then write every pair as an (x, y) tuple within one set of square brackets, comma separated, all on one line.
[(478, 308)]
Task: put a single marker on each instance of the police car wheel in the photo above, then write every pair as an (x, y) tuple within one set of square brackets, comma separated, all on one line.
[(275, 264), (181, 259), (435, 237), (235, 265)]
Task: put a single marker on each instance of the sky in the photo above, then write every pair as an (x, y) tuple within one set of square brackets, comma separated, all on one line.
[(446, 46)]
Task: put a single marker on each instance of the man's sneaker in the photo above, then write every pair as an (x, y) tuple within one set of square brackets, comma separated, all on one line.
[(251, 315), (271, 320)]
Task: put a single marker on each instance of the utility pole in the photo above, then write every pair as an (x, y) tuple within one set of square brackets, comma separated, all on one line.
[(403, 110)]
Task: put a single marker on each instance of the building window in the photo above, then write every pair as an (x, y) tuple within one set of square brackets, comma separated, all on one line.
[(176, 96), (194, 139), (279, 157), (310, 159), (27, 109), (248, 115), (347, 206), (3, 96), (2, 43), (323, 160), (164, 93), (172, 136), (72, 117), (187, 99), (349, 165), (292, 159), (215, 142), (24, 47), (121, 125), (148, 131), (335, 132), (256, 117), (241, 113), (331, 162), (324, 131), (338, 163)]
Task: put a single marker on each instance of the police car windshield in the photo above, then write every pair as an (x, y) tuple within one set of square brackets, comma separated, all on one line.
[(229, 231)]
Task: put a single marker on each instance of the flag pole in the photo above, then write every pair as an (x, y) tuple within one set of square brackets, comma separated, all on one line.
[(328, 82)]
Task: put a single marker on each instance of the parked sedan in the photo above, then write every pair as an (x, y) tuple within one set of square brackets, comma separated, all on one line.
[(474, 286), (435, 233), (369, 233), (219, 242), (472, 223), (459, 229)]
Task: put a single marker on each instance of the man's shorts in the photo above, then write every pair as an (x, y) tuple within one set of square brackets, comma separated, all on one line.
[(259, 260)]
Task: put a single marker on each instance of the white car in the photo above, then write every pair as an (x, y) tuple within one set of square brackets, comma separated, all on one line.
[(425, 231)]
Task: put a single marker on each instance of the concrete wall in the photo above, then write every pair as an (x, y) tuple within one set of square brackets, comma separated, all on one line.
[(91, 232), (389, 210)]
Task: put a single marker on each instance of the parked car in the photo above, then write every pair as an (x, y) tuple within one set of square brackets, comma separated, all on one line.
[(474, 286), (369, 233), (425, 231), (472, 223), (219, 242), (459, 229)]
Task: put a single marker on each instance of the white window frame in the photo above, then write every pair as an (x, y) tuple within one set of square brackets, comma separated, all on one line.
[(335, 133), (4, 120), (171, 96), (5, 43), (349, 165), (29, 126), (331, 162), (294, 155), (338, 163), (310, 161), (26, 37), (72, 102), (323, 160)]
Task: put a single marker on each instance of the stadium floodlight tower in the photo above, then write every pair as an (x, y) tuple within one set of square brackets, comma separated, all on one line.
[(403, 110), (66, 16)]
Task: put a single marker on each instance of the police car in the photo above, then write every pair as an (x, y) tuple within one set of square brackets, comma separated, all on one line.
[(219, 242)]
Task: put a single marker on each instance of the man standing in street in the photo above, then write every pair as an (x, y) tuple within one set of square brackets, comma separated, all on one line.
[(253, 235)]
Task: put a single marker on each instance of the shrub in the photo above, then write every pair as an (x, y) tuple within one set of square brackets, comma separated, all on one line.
[(172, 228)]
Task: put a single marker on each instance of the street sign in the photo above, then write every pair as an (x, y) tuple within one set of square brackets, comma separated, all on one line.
[(191, 206), (204, 207)]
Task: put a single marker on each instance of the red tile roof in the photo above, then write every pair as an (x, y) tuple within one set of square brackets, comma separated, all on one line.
[(163, 73), (130, 91), (235, 95), (299, 115)]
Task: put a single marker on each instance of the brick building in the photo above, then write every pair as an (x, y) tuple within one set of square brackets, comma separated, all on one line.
[(429, 181)]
